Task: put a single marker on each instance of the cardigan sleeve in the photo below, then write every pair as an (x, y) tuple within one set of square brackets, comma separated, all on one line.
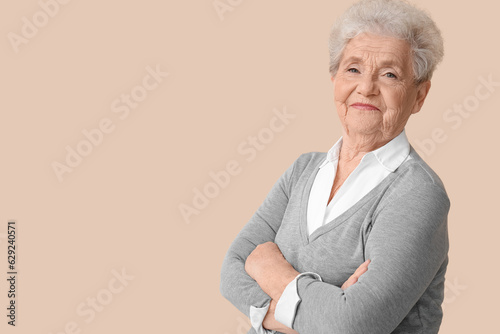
[(407, 246), (235, 284)]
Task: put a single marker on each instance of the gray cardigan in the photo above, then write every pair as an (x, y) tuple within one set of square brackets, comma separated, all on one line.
[(401, 226)]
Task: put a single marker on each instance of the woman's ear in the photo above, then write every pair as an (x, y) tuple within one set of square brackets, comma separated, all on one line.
[(422, 90)]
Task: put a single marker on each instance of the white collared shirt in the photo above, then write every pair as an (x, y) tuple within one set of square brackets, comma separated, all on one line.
[(372, 169)]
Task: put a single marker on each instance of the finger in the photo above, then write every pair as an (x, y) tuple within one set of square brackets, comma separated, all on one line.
[(361, 269), (350, 281), (354, 277)]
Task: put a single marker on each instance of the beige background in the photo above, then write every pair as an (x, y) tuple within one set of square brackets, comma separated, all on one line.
[(119, 208)]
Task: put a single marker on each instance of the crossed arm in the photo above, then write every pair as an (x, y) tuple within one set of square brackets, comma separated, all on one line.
[(407, 246), (269, 268)]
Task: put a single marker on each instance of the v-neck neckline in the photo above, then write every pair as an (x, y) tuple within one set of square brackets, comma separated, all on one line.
[(306, 193)]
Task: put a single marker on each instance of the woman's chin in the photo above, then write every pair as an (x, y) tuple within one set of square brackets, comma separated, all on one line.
[(364, 127)]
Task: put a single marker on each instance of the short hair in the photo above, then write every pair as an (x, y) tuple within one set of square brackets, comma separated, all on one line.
[(395, 18)]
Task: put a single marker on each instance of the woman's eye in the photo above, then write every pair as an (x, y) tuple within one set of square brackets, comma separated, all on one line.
[(353, 70), (391, 75)]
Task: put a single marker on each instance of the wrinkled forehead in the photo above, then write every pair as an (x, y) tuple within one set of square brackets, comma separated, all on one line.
[(377, 50)]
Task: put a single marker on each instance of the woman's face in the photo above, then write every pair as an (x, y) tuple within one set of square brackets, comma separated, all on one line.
[(374, 87)]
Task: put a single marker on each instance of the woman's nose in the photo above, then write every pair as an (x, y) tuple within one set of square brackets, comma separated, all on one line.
[(368, 85)]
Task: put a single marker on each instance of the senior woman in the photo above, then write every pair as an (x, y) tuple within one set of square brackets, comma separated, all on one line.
[(354, 240)]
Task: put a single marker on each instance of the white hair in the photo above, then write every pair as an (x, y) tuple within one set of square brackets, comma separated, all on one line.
[(395, 18)]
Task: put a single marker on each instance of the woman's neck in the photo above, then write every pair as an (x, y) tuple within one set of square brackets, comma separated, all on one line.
[(354, 147)]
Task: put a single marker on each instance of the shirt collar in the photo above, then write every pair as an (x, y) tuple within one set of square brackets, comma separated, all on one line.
[(391, 155)]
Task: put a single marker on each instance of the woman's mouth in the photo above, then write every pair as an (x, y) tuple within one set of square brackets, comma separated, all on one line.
[(364, 106)]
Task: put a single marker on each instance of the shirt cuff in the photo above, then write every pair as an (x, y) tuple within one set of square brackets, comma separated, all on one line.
[(257, 315), (286, 307)]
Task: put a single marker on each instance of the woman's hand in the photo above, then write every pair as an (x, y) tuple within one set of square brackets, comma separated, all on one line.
[(357, 274), (272, 324), (267, 265)]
